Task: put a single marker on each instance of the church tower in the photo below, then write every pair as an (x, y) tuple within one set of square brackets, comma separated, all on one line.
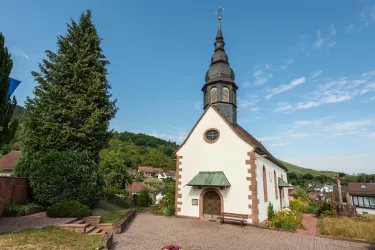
[(220, 89)]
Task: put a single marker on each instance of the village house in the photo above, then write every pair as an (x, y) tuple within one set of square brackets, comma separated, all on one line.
[(220, 166), (362, 196), (136, 188), (323, 188), (149, 171), (8, 161), (167, 175)]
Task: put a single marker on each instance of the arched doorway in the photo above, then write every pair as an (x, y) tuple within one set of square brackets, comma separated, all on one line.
[(211, 205)]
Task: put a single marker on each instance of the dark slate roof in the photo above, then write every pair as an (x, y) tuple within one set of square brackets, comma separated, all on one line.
[(220, 69)]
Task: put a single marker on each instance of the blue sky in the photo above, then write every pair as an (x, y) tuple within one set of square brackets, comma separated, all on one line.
[(305, 70)]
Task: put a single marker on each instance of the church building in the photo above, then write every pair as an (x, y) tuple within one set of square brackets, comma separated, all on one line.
[(220, 167)]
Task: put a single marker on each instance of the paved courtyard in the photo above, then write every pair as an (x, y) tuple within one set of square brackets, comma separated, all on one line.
[(152, 232)]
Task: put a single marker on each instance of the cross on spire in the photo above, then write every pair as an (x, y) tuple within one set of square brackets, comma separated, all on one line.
[(219, 14)]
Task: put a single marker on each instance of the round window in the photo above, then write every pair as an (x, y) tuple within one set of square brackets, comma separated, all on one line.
[(211, 135)]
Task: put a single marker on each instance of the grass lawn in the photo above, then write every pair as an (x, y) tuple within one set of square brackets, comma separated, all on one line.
[(49, 238), (348, 227), (110, 213), (139, 209)]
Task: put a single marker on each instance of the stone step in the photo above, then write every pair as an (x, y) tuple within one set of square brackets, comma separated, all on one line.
[(96, 231), (78, 222), (72, 221), (90, 229)]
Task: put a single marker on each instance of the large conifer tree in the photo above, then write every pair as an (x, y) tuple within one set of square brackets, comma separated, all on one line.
[(66, 123), (7, 106), (71, 109)]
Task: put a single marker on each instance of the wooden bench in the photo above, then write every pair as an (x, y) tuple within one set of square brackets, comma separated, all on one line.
[(232, 217)]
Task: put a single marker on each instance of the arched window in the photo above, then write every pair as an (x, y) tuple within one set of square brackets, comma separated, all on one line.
[(225, 95), (265, 184), (213, 93), (205, 98), (234, 98), (275, 180)]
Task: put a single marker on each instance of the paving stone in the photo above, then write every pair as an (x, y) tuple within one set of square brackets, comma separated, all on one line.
[(153, 232)]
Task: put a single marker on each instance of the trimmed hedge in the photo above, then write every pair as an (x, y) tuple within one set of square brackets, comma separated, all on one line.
[(69, 209), (56, 177)]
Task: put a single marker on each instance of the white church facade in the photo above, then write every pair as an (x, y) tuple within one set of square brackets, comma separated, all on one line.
[(220, 167)]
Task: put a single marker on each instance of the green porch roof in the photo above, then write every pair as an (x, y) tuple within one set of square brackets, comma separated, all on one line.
[(213, 179), (282, 183)]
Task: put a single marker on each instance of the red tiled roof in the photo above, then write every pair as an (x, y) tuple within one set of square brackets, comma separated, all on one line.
[(8, 161), (145, 169), (158, 170), (136, 187), (355, 188), (170, 173)]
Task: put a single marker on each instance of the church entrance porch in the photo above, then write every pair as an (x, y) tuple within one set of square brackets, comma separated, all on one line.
[(211, 205)]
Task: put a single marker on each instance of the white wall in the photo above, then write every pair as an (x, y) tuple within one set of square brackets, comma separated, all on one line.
[(228, 154), (270, 168), (368, 210)]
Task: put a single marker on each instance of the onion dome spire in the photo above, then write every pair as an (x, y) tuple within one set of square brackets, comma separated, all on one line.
[(220, 89)]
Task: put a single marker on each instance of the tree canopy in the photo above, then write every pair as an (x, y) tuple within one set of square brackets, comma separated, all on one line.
[(8, 126)]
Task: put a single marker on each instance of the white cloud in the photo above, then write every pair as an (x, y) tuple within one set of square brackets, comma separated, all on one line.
[(332, 30), (180, 137), (286, 64), (325, 42), (335, 91), (261, 78), (246, 84), (348, 126), (247, 103), (349, 28), (372, 98), (198, 105), (283, 88), (301, 123), (283, 106), (316, 74), (372, 135), (19, 52), (367, 15), (364, 163)]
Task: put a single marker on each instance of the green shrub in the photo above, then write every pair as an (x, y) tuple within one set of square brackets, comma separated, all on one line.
[(270, 211), (118, 200), (166, 205), (287, 219), (69, 209), (303, 206), (144, 199), (20, 209), (57, 177), (324, 209)]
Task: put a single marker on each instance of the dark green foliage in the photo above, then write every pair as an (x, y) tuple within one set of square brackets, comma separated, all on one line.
[(7, 126), (131, 155), (135, 199), (71, 109), (167, 204), (123, 202), (270, 211), (144, 199), (325, 208), (20, 209), (57, 177), (69, 209)]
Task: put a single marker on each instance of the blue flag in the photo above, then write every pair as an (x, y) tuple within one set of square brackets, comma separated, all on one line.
[(13, 84)]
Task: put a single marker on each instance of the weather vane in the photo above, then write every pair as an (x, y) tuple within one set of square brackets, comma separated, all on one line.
[(219, 13)]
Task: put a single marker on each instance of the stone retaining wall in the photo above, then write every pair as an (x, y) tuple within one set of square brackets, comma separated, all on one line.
[(120, 226), (14, 189)]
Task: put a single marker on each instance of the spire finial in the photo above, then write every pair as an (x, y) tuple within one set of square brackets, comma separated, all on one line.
[(219, 14)]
